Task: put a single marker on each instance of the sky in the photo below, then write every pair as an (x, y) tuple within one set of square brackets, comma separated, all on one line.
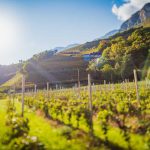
[(28, 27)]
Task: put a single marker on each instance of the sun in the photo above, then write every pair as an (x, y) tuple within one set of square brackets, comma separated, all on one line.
[(11, 34), (9, 31)]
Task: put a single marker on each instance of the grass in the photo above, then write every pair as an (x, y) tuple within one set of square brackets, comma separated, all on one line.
[(3, 128), (39, 127), (51, 136), (138, 142), (48, 135), (15, 79)]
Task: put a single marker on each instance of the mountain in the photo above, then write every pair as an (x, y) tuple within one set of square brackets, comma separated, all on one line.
[(70, 46), (7, 72), (141, 17), (77, 50), (59, 49), (109, 34), (137, 19), (122, 53), (60, 65), (57, 69)]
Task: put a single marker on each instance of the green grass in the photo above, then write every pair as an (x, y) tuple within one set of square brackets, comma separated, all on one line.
[(3, 128), (138, 142), (15, 79), (50, 136)]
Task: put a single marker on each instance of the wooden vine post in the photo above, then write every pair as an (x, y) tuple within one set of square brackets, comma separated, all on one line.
[(35, 89), (126, 83), (105, 85), (78, 82), (56, 87), (109, 88), (47, 89), (136, 84), (90, 104), (146, 83), (13, 95), (23, 93)]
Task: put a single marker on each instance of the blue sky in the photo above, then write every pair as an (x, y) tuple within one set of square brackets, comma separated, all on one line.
[(38, 25)]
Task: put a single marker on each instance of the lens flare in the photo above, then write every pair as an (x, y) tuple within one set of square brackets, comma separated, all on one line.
[(10, 32)]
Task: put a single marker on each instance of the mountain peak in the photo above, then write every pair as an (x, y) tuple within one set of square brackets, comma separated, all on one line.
[(146, 6), (137, 18)]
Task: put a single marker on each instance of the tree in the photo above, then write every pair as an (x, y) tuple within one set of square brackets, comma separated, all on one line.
[(100, 62), (146, 68), (148, 74), (91, 66), (127, 67), (107, 71)]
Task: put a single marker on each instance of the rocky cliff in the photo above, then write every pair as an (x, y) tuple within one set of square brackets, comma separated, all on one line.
[(137, 19)]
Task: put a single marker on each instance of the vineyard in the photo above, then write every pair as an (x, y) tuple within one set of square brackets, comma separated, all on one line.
[(108, 116), (75, 75)]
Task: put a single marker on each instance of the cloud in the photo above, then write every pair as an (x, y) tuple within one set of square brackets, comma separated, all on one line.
[(128, 8)]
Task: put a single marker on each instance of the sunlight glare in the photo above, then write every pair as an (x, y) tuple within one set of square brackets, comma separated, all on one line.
[(9, 31)]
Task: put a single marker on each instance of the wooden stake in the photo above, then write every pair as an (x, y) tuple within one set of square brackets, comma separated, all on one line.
[(47, 89), (136, 84), (35, 89), (90, 104), (123, 85), (14, 91), (79, 82), (146, 83), (109, 88), (23, 92), (113, 87), (90, 92), (105, 85), (56, 86), (126, 83)]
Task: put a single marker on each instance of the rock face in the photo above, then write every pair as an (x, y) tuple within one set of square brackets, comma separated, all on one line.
[(137, 19)]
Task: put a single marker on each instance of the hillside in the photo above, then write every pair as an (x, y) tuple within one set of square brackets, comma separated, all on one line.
[(139, 18), (15, 79), (7, 72), (89, 96), (57, 69), (130, 46), (122, 53), (62, 68), (59, 49), (80, 48)]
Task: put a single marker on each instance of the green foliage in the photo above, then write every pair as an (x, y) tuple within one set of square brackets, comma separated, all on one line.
[(107, 71), (148, 74), (43, 55), (17, 135), (15, 79), (145, 71), (26, 143), (2, 95), (66, 131), (124, 52), (98, 64), (127, 66), (111, 109), (107, 68)]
